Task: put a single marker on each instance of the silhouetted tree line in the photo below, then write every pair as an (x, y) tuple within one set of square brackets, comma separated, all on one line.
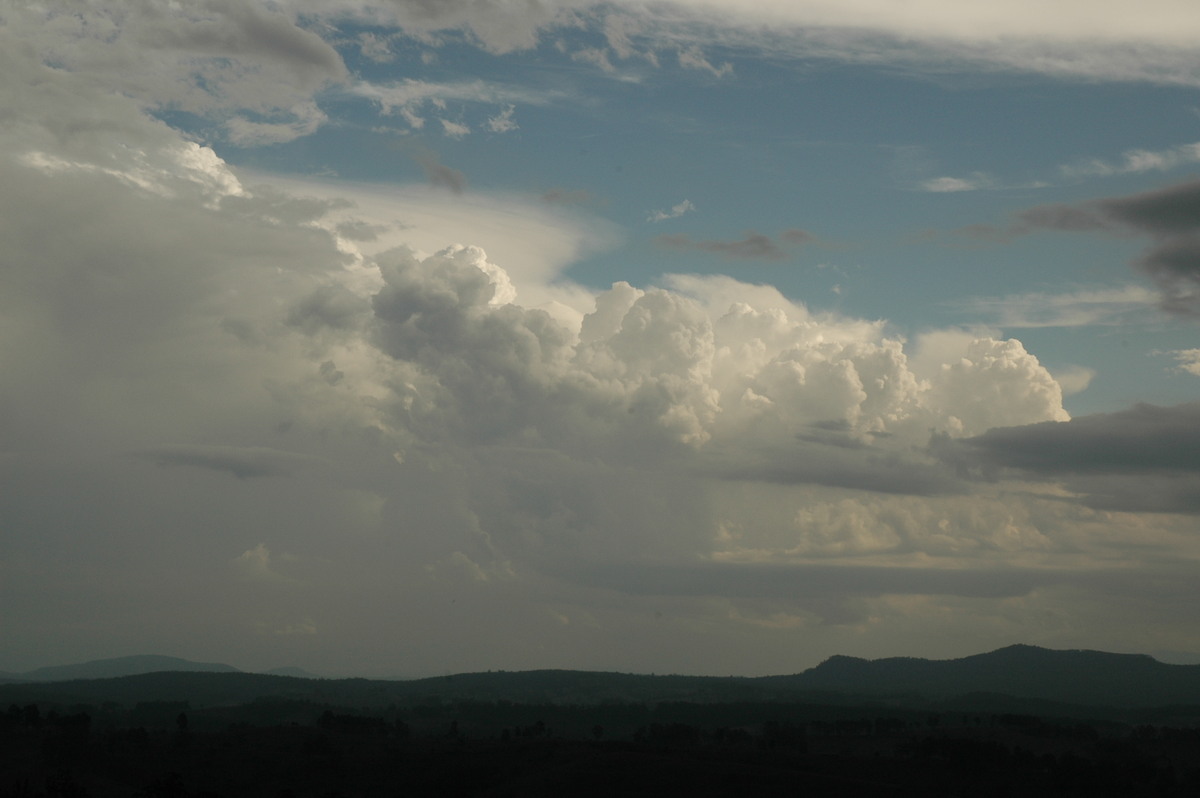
[(170, 750)]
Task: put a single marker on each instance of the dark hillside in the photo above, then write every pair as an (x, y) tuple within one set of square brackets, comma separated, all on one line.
[(1017, 673), (1080, 677)]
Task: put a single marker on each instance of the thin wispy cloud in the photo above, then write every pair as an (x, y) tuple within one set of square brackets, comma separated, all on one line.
[(1090, 307), (677, 210), (1188, 360), (503, 122), (1135, 162), (950, 185), (693, 58), (407, 97), (454, 130), (752, 246)]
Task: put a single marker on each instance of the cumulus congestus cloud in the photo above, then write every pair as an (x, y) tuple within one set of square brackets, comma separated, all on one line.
[(672, 365), (607, 440)]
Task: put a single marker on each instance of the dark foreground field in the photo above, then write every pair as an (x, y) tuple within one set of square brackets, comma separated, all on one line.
[(1019, 721), (278, 748)]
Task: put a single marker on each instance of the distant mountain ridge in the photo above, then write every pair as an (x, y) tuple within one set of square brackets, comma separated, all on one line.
[(1074, 676), (118, 666), (1078, 677), (291, 670)]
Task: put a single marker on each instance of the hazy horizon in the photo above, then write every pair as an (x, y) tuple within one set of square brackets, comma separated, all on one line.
[(389, 338), (1163, 657)]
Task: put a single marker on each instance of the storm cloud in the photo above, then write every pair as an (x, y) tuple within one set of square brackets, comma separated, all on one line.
[(1146, 458), (1171, 216), (283, 418)]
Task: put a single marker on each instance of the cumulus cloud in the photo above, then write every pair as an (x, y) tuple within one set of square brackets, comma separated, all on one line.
[(996, 383), (488, 445), (656, 364), (255, 564)]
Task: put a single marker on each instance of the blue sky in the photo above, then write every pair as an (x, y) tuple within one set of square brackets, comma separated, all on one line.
[(884, 168), (397, 338)]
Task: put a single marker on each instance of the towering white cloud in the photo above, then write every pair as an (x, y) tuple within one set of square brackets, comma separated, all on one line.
[(690, 371)]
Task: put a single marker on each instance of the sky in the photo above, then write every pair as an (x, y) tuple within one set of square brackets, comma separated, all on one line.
[(398, 338)]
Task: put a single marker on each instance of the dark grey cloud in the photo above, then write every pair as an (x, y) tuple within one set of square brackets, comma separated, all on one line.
[(331, 306), (1167, 211), (1170, 215), (243, 462), (1064, 218), (1143, 439), (568, 196), (438, 174), (794, 235), (829, 456), (752, 246), (239, 28), (1146, 458), (1152, 493), (809, 581), (835, 591), (1174, 266)]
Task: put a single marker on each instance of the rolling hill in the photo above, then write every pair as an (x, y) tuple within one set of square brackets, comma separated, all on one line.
[(1004, 677)]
